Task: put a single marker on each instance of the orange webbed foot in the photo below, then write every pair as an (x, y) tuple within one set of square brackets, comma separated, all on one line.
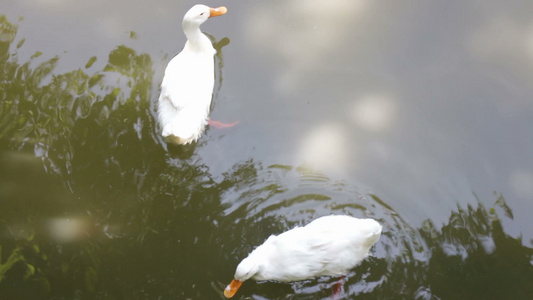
[(219, 125)]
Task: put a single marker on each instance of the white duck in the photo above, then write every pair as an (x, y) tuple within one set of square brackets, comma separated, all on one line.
[(328, 246), (187, 87)]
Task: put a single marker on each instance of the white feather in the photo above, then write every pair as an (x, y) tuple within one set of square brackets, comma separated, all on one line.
[(187, 86), (328, 246)]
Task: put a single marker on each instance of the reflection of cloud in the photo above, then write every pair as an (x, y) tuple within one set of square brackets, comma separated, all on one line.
[(373, 112), (522, 182), (111, 27), (325, 148), (317, 29), (529, 41), (502, 37), (45, 3), (505, 42)]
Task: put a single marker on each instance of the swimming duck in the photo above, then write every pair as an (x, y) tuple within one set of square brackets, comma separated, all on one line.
[(187, 86), (328, 246)]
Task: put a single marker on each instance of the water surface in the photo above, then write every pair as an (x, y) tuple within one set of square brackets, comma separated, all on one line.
[(416, 114)]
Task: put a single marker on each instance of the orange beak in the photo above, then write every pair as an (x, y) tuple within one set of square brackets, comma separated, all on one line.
[(219, 11), (232, 288)]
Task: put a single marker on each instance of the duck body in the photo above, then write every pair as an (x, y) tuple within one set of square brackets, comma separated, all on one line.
[(328, 246), (186, 94), (187, 86)]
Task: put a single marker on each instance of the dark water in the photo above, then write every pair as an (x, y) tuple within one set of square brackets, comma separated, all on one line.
[(416, 114)]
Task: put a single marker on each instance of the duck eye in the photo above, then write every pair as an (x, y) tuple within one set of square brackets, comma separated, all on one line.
[(201, 14)]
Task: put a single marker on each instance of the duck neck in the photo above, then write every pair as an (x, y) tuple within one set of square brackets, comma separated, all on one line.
[(196, 40)]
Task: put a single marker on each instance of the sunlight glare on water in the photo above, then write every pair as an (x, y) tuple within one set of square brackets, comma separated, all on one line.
[(63, 230)]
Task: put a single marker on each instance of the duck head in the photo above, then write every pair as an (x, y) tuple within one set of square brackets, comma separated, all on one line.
[(245, 270), (199, 13)]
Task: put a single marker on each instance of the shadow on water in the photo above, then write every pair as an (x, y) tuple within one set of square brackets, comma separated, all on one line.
[(93, 206)]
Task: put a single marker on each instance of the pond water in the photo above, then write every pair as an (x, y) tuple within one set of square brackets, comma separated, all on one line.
[(415, 113)]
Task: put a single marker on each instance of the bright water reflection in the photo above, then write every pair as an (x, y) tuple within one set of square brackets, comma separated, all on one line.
[(94, 204)]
